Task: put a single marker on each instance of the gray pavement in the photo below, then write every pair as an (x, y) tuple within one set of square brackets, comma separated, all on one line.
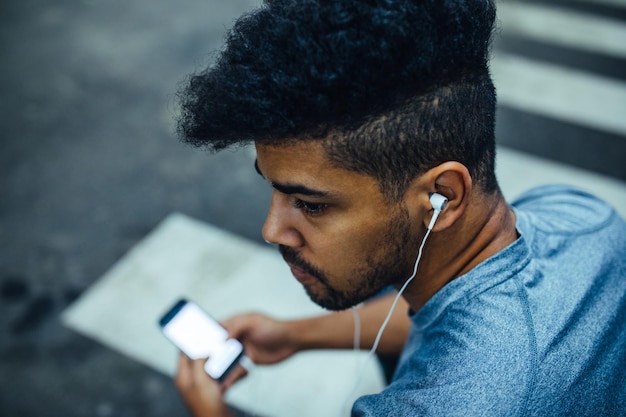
[(89, 164)]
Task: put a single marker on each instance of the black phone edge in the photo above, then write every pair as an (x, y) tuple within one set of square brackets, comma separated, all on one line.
[(172, 312), (232, 366)]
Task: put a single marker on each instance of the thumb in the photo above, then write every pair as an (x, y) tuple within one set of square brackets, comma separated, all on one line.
[(236, 326)]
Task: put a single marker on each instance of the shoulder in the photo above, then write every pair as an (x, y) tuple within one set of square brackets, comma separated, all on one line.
[(564, 210), (457, 364)]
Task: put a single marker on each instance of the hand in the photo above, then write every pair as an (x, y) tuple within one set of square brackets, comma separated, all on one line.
[(266, 341), (202, 394)]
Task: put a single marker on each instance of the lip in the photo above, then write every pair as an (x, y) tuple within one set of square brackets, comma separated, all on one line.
[(301, 276)]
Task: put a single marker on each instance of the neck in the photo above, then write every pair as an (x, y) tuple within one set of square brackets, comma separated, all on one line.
[(487, 227)]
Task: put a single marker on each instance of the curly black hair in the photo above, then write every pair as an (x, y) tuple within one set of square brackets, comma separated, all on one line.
[(305, 68)]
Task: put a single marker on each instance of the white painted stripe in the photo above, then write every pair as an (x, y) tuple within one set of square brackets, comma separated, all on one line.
[(563, 27), (518, 172), (183, 257), (562, 93)]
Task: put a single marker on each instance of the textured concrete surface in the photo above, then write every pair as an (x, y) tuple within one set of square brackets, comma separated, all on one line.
[(89, 164)]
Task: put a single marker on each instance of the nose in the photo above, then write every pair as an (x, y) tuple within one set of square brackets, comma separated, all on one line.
[(279, 226)]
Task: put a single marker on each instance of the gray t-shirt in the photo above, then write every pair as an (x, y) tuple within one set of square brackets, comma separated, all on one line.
[(539, 329)]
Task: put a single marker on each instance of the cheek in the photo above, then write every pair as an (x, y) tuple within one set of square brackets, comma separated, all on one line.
[(347, 249)]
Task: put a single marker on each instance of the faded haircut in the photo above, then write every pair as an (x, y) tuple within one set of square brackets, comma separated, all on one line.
[(392, 87)]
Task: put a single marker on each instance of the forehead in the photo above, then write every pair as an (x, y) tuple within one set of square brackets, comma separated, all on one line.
[(295, 157), (306, 164)]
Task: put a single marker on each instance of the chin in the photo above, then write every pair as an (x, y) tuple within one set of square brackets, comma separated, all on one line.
[(333, 301)]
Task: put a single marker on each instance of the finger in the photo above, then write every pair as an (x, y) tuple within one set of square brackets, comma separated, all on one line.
[(183, 373), (235, 375), (235, 326), (197, 370)]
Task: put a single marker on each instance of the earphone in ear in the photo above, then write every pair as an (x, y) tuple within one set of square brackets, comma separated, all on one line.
[(439, 203)]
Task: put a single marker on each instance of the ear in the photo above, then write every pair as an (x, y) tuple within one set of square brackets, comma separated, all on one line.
[(450, 179)]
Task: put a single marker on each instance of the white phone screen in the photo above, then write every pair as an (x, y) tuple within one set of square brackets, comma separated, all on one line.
[(199, 336)]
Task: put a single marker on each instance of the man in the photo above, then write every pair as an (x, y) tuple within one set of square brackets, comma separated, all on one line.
[(360, 111)]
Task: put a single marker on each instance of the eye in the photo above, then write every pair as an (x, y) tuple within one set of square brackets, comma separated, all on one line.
[(309, 208)]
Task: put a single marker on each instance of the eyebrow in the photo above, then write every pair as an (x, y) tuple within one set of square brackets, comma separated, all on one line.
[(292, 188), (297, 189)]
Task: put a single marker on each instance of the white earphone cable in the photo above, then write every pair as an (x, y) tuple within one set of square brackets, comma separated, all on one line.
[(406, 283), (357, 322), (357, 328)]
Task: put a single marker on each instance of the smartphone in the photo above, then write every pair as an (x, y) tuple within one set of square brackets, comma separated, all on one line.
[(199, 336)]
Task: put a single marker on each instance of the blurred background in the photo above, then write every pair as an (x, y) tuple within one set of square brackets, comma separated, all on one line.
[(90, 163)]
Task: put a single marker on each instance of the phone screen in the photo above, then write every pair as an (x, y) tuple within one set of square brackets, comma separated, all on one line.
[(198, 336)]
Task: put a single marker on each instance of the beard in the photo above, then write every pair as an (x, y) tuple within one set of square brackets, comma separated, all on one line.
[(386, 265)]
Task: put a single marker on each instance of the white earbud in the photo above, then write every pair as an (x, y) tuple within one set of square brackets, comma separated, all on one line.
[(439, 203)]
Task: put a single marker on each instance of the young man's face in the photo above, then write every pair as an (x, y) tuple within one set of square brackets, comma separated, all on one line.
[(341, 240)]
